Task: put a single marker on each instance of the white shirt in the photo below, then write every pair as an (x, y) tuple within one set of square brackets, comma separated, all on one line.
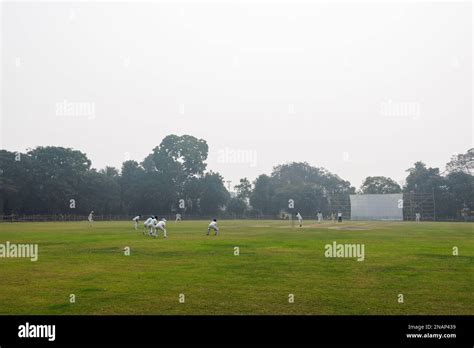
[(160, 224), (148, 221), (136, 218), (299, 216), (339, 214), (213, 224)]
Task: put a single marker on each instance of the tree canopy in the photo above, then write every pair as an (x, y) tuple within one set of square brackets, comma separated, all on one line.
[(174, 178)]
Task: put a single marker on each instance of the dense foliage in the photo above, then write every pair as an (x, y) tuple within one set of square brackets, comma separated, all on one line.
[(173, 178)]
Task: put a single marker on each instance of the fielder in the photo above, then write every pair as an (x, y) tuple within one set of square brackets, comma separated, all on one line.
[(147, 224), (213, 225), (300, 219), (152, 227), (136, 220), (91, 217), (160, 225), (417, 217), (178, 217), (320, 217)]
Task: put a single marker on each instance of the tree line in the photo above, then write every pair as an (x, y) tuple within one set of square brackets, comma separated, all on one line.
[(174, 178)]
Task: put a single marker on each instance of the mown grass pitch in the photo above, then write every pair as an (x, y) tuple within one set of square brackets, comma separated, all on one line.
[(275, 260)]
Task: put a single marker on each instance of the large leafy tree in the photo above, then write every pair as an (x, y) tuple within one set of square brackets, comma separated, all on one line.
[(380, 184), (173, 166), (262, 195), (427, 180), (308, 187), (423, 179), (15, 181), (181, 155), (100, 191), (236, 206), (461, 190), (462, 163), (214, 195), (243, 189), (56, 173), (132, 188)]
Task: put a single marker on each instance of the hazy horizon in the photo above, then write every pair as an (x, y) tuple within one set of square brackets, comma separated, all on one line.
[(359, 89)]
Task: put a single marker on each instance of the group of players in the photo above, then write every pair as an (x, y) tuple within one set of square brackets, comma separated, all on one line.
[(152, 225), (320, 217)]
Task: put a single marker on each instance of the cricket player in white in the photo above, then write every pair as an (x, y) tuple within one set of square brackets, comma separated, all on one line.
[(300, 219), (417, 217), (135, 220), (178, 217), (146, 225), (320, 217), (160, 225), (213, 225), (153, 224), (91, 217)]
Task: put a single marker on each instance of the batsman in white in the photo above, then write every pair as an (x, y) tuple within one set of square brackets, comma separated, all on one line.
[(300, 219), (135, 220), (160, 225), (213, 225)]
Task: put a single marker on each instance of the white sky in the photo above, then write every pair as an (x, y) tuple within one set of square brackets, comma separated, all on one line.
[(278, 82)]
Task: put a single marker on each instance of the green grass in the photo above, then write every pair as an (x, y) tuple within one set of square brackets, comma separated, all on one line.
[(275, 260)]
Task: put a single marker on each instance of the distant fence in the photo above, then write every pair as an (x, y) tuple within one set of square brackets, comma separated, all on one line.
[(172, 217)]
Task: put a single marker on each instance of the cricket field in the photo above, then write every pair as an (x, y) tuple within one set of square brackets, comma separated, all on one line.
[(251, 267)]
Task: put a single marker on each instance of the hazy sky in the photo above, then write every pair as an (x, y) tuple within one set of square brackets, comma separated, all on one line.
[(360, 89)]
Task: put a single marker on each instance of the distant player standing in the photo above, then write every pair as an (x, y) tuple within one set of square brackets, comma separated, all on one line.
[(178, 217), (213, 225), (320, 217), (417, 217), (91, 217), (300, 219), (339, 217), (136, 220), (160, 225)]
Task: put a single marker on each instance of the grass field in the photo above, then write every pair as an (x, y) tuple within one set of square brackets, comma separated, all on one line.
[(275, 260)]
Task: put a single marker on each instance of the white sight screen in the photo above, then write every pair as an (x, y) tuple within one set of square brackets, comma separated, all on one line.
[(377, 207)]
